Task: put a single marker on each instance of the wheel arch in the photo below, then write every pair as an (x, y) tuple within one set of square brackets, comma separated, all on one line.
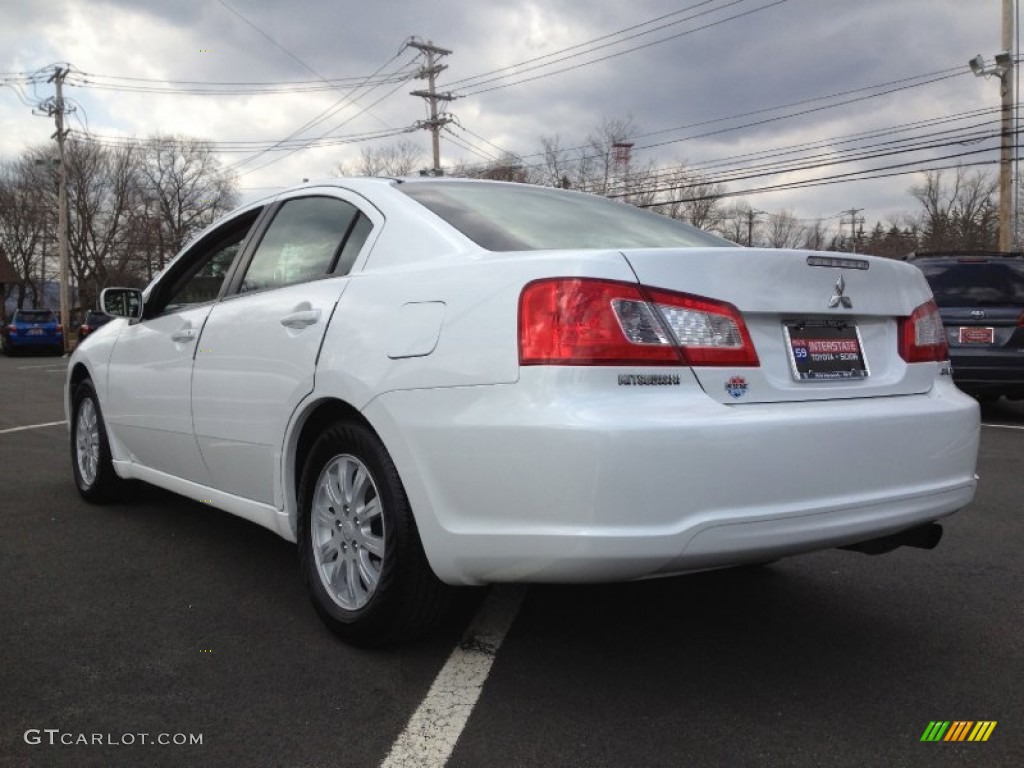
[(79, 373), (307, 426)]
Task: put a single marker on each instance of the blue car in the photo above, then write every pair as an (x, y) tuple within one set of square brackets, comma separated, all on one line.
[(34, 329)]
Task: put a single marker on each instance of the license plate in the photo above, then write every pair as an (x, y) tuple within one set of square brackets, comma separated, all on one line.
[(823, 350), (35, 331), (976, 335)]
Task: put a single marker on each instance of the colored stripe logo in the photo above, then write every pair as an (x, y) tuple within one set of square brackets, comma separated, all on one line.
[(958, 730)]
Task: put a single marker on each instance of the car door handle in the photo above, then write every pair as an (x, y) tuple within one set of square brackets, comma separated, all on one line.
[(185, 334), (299, 320)]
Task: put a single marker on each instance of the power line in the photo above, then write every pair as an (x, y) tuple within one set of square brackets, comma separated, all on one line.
[(324, 135), (274, 42), (349, 99), (818, 166), (842, 178), (586, 43), (609, 56), (232, 89), (852, 154), (870, 91), (246, 147)]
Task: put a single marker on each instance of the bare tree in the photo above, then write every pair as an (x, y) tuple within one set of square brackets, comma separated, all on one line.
[(960, 214), (815, 236), (784, 230), (739, 223), (102, 202), (557, 168), (597, 166), (690, 196), (508, 167), (27, 220), (400, 159), (182, 189)]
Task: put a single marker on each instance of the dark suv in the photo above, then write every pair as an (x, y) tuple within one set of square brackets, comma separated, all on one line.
[(981, 299)]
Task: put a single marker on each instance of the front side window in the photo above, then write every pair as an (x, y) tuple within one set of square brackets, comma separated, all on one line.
[(204, 285), (302, 243), (199, 275)]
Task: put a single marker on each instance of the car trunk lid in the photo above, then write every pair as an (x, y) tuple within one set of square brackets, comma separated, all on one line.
[(824, 305)]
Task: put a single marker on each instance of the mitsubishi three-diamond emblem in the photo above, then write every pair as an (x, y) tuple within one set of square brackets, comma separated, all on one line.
[(840, 298)]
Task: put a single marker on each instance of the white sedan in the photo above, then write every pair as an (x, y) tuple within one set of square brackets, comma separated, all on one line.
[(432, 382)]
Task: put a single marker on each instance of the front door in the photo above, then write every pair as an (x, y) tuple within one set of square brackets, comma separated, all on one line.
[(148, 408)]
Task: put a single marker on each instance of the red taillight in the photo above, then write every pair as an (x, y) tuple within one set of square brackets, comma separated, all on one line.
[(1020, 320), (60, 328), (922, 338), (12, 329), (573, 321), (584, 321)]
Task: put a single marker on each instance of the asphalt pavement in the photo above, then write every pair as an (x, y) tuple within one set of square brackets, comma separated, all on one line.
[(159, 619)]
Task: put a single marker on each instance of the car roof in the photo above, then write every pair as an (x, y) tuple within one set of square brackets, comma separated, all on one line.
[(967, 257)]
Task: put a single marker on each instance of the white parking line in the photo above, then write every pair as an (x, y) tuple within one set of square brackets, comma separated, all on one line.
[(434, 728), (32, 426), (50, 366), (1004, 426)]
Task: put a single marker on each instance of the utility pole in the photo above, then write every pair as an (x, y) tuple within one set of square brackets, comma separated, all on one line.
[(1003, 68), (62, 205), (430, 70), (1009, 136), (853, 227), (751, 216)]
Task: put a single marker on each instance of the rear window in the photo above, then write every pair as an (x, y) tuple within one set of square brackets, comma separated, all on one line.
[(35, 316), (514, 217), (974, 284)]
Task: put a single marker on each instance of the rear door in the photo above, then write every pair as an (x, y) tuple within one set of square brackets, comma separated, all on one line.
[(256, 358)]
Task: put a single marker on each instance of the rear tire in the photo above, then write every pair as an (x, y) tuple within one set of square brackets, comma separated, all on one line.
[(90, 452), (359, 548)]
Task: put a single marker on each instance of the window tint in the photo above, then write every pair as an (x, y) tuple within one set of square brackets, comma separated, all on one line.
[(353, 245), (300, 244), (511, 217), (198, 276), (972, 284)]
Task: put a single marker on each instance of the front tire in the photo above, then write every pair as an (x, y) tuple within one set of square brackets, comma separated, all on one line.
[(90, 452), (359, 549)]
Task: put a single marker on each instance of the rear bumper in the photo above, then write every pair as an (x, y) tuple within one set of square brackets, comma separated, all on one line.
[(987, 369), (22, 341), (511, 484)]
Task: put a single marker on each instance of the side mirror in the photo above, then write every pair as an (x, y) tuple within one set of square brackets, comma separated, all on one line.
[(122, 302)]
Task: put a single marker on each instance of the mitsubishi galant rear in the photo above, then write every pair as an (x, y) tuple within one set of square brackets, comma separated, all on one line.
[(430, 383)]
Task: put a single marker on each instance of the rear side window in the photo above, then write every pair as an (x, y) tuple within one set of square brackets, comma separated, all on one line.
[(976, 284), (302, 243)]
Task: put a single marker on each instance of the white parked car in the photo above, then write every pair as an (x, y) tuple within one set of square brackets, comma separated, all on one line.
[(434, 382)]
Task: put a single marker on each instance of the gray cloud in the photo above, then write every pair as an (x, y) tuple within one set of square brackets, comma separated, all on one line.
[(797, 50)]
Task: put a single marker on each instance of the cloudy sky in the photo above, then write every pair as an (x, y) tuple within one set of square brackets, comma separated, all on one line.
[(734, 87)]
